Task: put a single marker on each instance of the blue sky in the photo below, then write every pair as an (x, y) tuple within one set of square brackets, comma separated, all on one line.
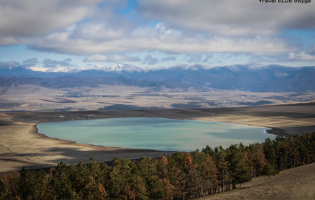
[(150, 33)]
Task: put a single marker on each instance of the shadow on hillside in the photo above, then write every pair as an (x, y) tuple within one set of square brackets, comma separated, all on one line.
[(74, 156)]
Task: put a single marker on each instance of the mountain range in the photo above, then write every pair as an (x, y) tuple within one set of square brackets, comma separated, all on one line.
[(255, 78), (116, 67)]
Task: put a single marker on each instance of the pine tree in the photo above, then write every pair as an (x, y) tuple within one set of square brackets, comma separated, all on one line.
[(240, 173), (270, 170)]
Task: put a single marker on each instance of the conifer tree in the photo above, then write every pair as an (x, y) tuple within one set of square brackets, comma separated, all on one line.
[(240, 173), (270, 170)]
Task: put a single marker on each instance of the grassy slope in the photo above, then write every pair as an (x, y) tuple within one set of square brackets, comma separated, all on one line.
[(296, 183)]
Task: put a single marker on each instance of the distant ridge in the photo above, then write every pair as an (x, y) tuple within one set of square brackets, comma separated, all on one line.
[(63, 69), (255, 78), (116, 67)]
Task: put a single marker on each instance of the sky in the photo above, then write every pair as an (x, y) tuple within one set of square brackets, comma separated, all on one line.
[(155, 33)]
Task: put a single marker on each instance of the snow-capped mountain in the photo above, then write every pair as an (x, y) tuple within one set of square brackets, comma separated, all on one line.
[(116, 67), (64, 69), (69, 69), (257, 78)]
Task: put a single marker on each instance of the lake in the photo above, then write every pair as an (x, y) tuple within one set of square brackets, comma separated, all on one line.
[(154, 133)]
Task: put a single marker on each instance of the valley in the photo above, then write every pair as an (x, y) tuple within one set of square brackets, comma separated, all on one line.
[(122, 97), (21, 145)]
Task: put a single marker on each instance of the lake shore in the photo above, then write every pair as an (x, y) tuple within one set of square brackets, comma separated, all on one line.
[(159, 134), (22, 145)]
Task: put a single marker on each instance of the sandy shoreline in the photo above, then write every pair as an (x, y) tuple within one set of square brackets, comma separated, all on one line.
[(33, 150), (22, 145)]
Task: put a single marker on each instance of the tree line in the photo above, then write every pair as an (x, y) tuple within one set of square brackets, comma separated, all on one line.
[(179, 176)]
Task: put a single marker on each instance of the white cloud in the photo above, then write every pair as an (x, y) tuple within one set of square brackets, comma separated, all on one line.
[(186, 27), (150, 60), (301, 56), (230, 17), (169, 58), (111, 58), (158, 38), (48, 63), (8, 40), (9, 64), (196, 58), (21, 18)]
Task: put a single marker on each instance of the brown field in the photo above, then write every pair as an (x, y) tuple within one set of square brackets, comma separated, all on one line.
[(36, 98)]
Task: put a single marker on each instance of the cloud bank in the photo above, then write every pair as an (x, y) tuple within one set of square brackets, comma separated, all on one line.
[(109, 30), (227, 17), (112, 58)]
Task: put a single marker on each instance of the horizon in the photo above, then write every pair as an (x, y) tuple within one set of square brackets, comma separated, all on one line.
[(155, 34), (113, 67)]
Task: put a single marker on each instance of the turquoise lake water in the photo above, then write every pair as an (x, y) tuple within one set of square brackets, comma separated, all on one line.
[(154, 133)]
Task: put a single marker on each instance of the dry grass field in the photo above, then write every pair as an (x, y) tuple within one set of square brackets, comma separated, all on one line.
[(109, 97), (297, 183)]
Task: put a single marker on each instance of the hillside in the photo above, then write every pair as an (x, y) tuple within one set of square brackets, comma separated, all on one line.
[(289, 184)]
